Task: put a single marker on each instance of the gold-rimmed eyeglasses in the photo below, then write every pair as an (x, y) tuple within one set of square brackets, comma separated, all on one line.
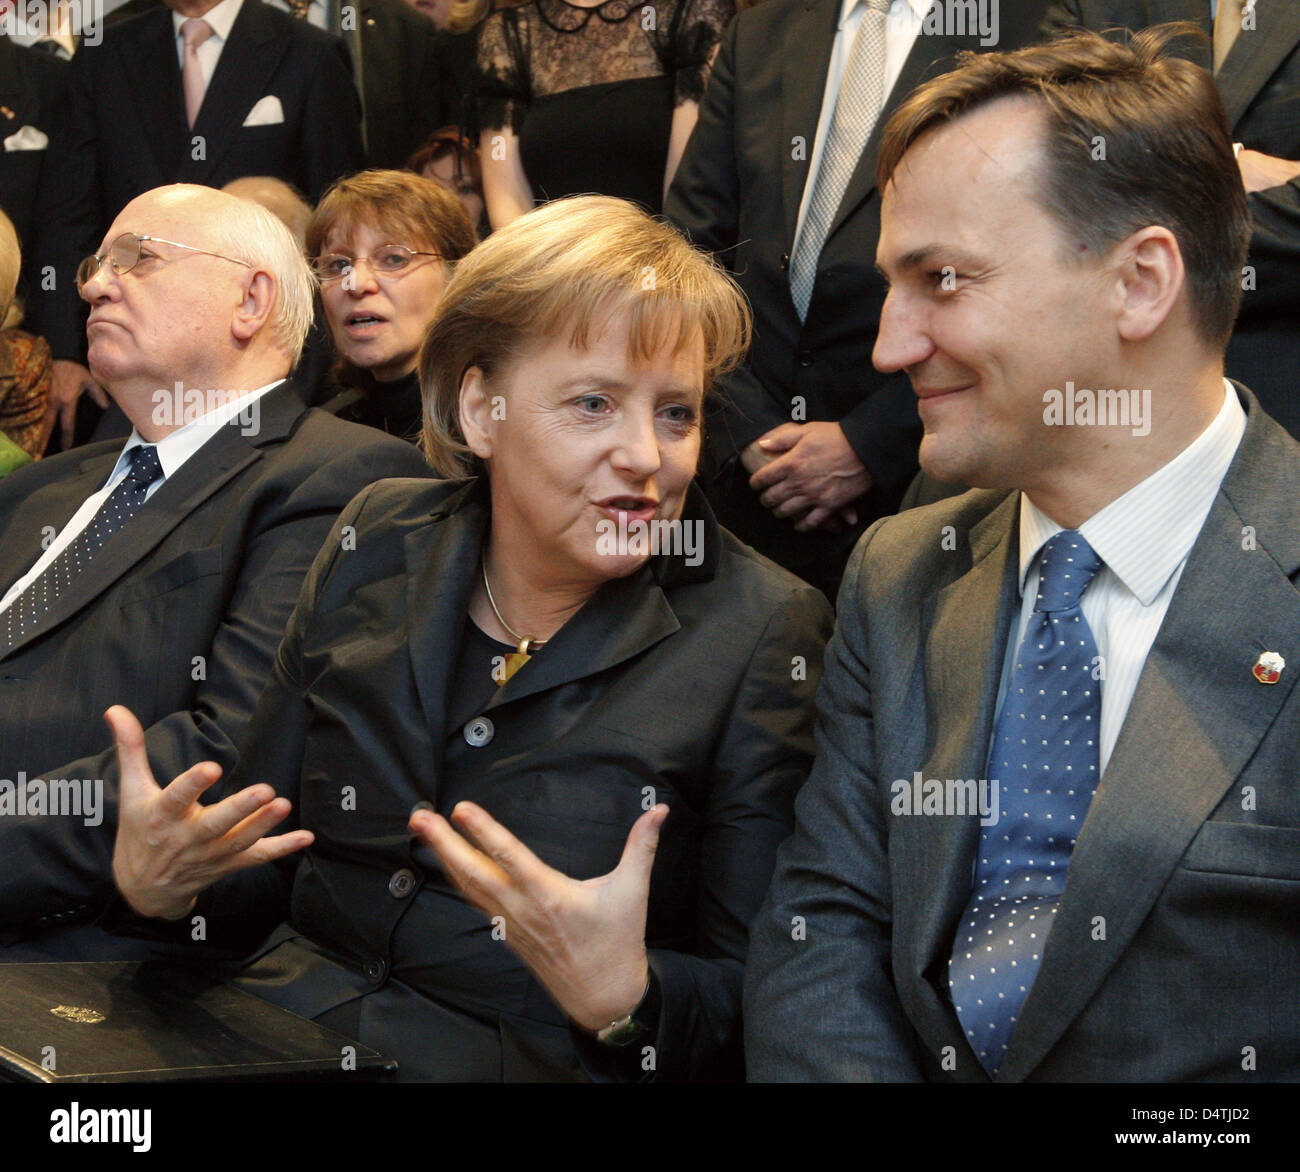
[(388, 261), (125, 253)]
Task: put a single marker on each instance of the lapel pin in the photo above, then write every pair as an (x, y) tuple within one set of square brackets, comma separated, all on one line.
[(8, 113), (1268, 668)]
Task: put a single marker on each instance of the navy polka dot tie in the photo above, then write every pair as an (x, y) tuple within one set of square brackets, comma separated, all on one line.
[(123, 502), (1046, 764)]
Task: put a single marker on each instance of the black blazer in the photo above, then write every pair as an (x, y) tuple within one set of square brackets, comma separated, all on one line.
[(125, 133), (1260, 87), (32, 85), (737, 193), (179, 622), (693, 685), (401, 72)]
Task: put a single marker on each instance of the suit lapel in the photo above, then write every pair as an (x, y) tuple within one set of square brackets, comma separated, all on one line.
[(52, 505), (963, 665), (622, 619), (442, 560), (807, 55), (152, 69), (1256, 56), (220, 458), (1196, 719), (243, 74), (11, 88)]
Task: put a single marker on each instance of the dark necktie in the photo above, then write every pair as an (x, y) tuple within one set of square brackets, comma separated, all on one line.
[(1046, 764), (123, 502)]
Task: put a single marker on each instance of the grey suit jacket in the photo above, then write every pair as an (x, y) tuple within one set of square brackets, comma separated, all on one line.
[(1175, 953)]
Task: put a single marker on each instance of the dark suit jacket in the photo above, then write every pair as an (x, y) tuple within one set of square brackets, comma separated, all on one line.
[(32, 85), (1260, 87), (403, 76), (737, 193), (694, 681), (402, 72), (125, 133), (178, 619), (1197, 886)]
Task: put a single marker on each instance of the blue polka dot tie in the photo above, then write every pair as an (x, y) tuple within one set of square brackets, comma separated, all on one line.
[(1046, 764), (123, 502)]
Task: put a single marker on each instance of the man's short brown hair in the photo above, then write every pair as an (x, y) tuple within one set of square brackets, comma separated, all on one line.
[(1134, 137)]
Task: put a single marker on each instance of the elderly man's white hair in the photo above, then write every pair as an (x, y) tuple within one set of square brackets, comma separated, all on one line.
[(246, 231)]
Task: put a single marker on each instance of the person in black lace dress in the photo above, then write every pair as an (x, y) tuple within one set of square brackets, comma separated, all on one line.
[(598, 98)]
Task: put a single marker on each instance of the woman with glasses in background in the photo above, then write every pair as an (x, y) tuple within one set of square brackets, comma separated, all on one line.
[(382, 244)]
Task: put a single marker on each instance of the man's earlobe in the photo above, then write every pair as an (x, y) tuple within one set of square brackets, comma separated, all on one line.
[(1152, 279), (254, 311)]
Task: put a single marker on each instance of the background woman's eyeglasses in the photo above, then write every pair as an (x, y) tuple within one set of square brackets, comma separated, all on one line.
[(125, 252), (388, 261)]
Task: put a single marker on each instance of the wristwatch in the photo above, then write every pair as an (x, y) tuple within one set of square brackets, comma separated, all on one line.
[(641, 1022)]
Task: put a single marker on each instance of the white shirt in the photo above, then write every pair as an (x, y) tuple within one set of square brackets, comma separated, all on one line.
[(221, 17), (173, 450), (902, 23), (1143, 537)]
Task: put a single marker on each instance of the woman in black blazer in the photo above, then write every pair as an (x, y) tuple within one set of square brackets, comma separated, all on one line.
[(499, 693)]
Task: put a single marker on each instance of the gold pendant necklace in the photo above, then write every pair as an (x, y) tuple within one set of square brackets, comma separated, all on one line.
[(516, 659)]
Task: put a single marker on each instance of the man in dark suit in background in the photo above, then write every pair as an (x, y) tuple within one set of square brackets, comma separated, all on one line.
[(1254, 52), (161, 575), (266, 95), (779, 181), (406, 95), (1053, 827), (32, 85)]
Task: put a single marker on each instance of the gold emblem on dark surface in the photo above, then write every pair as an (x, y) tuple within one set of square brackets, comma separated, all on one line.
[(79, 1015)]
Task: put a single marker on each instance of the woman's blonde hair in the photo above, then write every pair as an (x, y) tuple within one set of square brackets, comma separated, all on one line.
[(11, 263), (572, 265)]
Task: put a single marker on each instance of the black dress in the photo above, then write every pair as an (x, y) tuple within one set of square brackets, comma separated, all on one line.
[(590, 92), (395, 407)]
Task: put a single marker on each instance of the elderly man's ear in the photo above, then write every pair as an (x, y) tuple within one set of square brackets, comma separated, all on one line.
[(254, 310), (1150, 276), (476, 413)]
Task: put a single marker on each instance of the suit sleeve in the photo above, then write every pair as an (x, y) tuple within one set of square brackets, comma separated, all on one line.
[(763, 757), (58, 868), (704, 202), (331, 146), (820, 1003), (884, 431), (71, 215), (1275, 254)]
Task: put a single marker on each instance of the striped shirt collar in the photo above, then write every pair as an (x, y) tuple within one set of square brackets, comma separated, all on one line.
[(1146, 534)]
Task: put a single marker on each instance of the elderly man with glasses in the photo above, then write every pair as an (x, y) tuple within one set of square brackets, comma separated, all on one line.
[(160, 574)]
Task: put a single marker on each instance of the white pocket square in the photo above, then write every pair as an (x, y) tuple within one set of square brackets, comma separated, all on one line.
[(267, 112), (27, 139)]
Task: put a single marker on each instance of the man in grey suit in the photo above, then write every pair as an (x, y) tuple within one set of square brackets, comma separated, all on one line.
[(1053, 828)]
